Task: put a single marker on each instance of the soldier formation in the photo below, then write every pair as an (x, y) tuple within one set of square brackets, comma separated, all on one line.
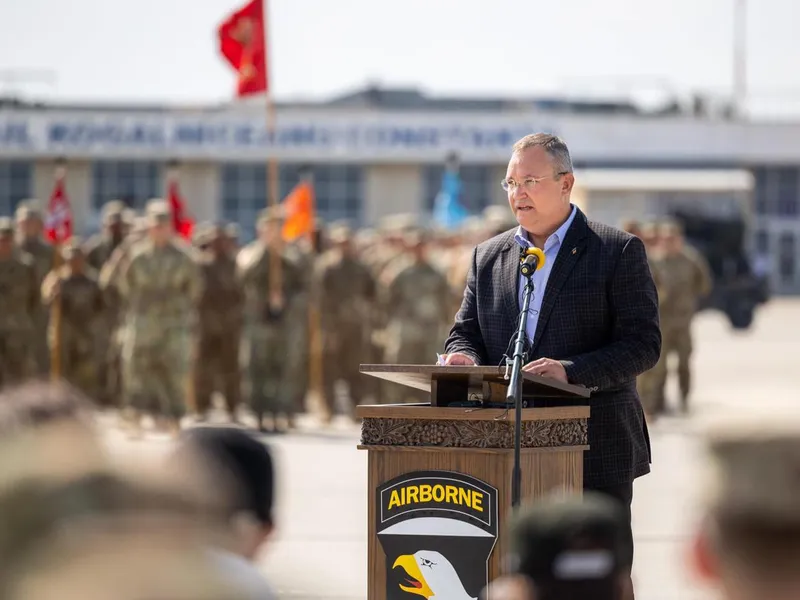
[(683, 279), (144, 321)]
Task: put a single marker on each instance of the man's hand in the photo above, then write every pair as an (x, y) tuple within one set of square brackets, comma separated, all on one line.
[(547, 367), (458, 359)]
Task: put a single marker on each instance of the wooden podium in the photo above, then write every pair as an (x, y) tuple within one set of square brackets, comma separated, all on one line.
[(439, 476)]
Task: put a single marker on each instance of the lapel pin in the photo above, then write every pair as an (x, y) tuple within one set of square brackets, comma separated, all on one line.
[(574, 250)]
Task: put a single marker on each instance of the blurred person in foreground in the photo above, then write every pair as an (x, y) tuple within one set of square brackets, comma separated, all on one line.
[(567, 549), (748, 543), (233, 460), (101, 535)]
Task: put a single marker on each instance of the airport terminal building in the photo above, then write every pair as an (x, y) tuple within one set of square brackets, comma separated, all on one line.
[(379, 152)]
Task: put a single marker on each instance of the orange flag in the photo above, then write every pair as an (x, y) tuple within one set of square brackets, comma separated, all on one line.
[(299, 210)]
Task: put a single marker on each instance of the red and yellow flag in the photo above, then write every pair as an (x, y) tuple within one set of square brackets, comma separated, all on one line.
[(242, 42), (300, 211)]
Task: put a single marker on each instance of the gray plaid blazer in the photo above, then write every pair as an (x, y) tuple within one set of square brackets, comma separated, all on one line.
[(599, 317)]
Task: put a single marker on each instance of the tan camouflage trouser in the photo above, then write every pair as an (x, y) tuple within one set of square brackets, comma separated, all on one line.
[(652, 384), (156, 375), (16, 357)]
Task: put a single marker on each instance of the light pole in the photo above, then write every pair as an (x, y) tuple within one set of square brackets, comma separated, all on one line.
[(740, 57)]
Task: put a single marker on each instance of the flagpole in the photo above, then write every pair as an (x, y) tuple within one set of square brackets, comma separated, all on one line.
[(56, 312), (273, 188)]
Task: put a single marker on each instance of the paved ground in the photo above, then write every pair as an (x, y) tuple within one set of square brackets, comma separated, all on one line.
[(320, 548)]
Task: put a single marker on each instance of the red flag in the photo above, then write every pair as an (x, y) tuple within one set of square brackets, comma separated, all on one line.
[(182, 222), (58, 221), (299, 206), (242, 43)]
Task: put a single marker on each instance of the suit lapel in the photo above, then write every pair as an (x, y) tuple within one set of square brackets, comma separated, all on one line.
[(568, 255), (509, 270)]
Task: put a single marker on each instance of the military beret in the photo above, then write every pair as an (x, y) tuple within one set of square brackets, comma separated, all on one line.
[(6, 227), (756, 461)]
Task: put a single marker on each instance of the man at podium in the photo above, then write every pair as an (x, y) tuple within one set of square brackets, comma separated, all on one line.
[(593, 318)]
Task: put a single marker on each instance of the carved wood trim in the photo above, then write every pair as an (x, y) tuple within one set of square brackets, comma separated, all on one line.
[(472, 434)]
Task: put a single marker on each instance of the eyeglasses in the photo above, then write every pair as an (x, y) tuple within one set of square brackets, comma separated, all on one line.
[(528, 184)]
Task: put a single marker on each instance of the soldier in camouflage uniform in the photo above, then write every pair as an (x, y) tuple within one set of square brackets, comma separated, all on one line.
[(220, 320), (344, 293), (418, 304), (75, 288), (116, 310), (160, 286), (19, 305), (98, 251), (687, 278), (270, 350), (647, 384), (30, 225)]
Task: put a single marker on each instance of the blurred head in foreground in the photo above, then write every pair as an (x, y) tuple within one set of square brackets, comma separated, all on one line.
[(234, 461), (749, 542), (47, 429), (101, 535), (570, 548)]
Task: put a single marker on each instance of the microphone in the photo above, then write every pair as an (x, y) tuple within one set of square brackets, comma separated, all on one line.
[(531, 260)]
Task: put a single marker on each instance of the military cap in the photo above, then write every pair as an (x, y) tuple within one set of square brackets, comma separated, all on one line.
[(570, 540), (200, 234), (129, 216), (272, 214), (6, 227), (113, 211), (158, 211), (669, 227), (72, 248), (28, 209), (756, 462), (340, 232), (232, 231), (399, 223)]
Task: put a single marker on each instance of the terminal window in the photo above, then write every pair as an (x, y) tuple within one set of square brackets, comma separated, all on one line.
[(133, 182), (477, 182), (339, 192), (16, 183), (777, 191)]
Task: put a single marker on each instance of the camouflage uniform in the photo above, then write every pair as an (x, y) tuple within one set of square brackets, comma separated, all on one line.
[(418, 302), (44, 257), (19, 305), (345, 295), (269, 346), (687, 279), (80, 300), (99, 250), (160, 287), (216, 356), (109, 279), (301, 255)]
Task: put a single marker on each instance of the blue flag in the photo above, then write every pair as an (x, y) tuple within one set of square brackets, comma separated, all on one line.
[(447, 210)]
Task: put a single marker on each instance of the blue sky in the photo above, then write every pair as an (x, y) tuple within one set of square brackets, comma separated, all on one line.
[(165, 50)]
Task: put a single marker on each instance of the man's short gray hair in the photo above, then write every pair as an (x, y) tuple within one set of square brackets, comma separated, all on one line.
[(552, 144)]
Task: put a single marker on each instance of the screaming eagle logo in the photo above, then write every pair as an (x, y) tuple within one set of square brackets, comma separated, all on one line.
[(438, 530)]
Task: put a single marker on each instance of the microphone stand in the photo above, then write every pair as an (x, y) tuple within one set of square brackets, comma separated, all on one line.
[(515, 387)]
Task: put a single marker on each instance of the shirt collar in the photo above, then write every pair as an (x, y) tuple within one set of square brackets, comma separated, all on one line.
[(521, 236)]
